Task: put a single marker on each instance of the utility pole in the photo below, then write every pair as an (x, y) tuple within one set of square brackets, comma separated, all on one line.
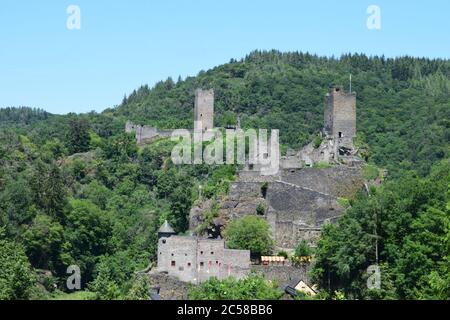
[(350, 83), (376, 236)]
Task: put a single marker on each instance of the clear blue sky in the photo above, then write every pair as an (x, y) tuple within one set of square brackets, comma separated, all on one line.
[(123, 44)]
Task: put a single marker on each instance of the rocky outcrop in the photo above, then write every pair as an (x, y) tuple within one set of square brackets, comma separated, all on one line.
[(297, 202), (170, 288)]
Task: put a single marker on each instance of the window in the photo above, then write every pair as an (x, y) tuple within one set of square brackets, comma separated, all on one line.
[(212, 252), (164, 241), (173, 263), (340, 135), (189, 264), (202, 264), (201, 252)]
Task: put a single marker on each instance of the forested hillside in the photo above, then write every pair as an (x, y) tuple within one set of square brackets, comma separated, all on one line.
[(403, 105), (75, 189)]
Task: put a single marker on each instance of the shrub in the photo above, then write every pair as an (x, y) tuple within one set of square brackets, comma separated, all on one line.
[(261, 209), (303, 249), (250, 233)]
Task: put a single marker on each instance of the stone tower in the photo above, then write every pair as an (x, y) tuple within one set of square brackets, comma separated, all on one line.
[(340, 116), (166, 230), (204, 109)]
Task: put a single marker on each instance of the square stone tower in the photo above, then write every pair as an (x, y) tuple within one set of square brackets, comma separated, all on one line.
[(204, 109), (340, 116)]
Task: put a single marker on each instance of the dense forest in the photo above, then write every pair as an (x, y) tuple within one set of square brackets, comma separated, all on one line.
[(76, 190)]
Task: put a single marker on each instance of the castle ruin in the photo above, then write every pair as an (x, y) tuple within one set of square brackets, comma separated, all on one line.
[(204, 110), (301, 198), (340, 116), (338, 133)]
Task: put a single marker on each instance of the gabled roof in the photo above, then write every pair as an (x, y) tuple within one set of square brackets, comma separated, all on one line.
[(166, 228)]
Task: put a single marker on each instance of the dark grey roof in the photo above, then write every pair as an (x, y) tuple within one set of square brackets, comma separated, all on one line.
[(166, 228)]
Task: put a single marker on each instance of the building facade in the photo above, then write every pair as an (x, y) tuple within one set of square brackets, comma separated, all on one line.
[(195, 260)]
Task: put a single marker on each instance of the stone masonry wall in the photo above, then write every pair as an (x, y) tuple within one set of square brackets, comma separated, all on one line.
[(283, 274), (146, 134), (338, 181), (298, 202), (204, 109)]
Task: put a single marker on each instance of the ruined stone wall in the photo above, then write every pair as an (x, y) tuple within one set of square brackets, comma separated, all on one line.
[(236, 263), (298, 202), (244, 198), (204, 109), (146, 134), (338, 181)]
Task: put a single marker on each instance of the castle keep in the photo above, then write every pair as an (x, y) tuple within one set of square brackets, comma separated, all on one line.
[(340, 115), (146, 133), (297, 201), (301, 198)]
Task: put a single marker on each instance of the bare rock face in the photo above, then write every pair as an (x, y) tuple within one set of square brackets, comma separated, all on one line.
[(197, 213), (245, 198)]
